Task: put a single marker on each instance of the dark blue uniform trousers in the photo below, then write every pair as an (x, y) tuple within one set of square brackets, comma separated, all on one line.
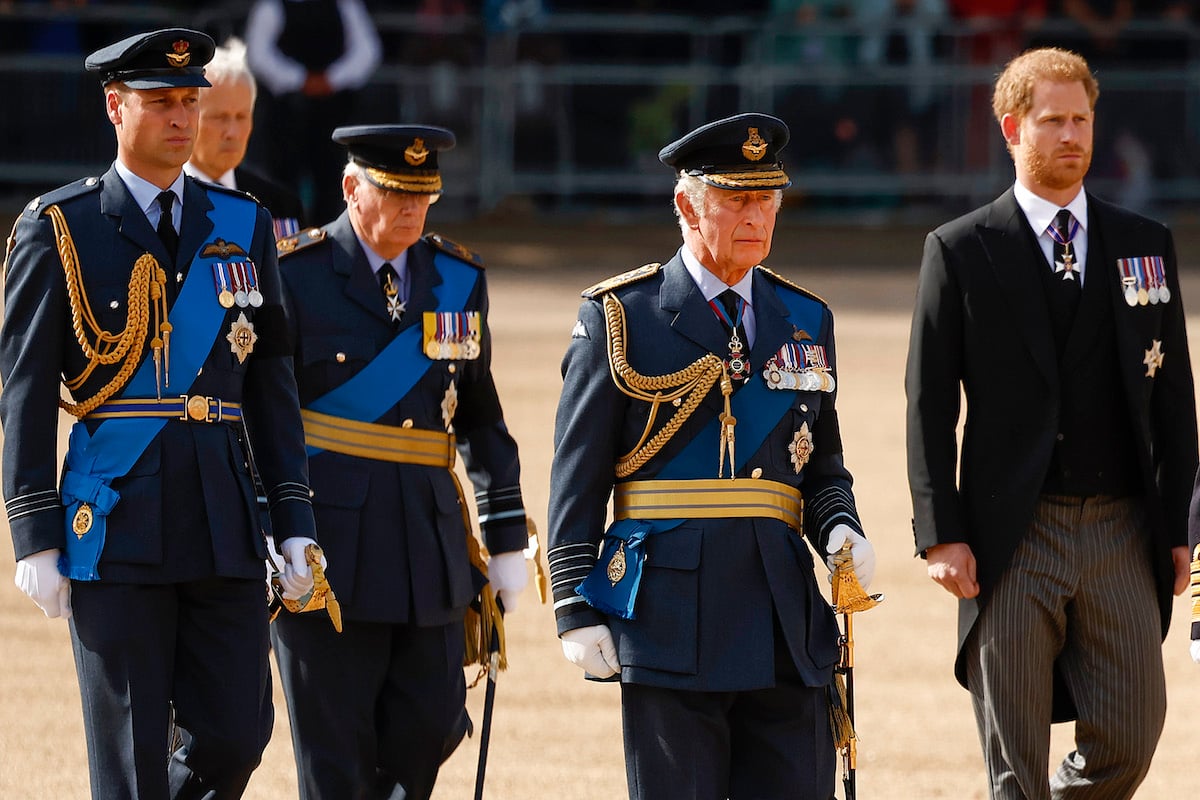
[(200, 646), (766, 744), (375, 709)]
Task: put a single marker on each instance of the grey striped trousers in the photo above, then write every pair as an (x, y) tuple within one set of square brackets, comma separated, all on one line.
[(1080, 590)]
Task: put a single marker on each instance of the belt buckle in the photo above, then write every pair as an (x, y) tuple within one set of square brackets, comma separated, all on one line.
[(195, 408)]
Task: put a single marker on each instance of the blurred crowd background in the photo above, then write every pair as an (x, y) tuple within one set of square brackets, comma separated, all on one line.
[(561, 106)]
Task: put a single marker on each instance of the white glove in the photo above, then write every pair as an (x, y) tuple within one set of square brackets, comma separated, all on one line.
[(508, 576), (1196, 650), (592, 649), (860, 550), (296, 580), (38, 576)]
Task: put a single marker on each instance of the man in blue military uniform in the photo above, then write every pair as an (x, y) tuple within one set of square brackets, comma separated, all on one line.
[(156, 301), (393, 360), (701, 395)]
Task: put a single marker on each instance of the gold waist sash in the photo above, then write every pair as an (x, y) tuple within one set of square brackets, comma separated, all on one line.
[(380, 442), (710, 499)]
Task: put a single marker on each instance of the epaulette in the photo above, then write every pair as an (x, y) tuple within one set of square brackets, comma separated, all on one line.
[(298, 241), (775, 276), (624, 279), (80, 187), (455, 249)]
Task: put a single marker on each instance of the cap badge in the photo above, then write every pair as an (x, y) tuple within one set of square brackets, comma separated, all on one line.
[(755, 147), (181, 56), (416, 154)]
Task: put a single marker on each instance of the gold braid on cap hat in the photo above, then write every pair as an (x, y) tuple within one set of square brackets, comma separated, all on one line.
[(405, 182), (754, 179), (147, 286), (688, 387)]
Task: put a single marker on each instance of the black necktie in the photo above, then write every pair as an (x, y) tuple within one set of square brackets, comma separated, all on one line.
[(166, 227), (389, 282), (1064, 252), (738, 361)]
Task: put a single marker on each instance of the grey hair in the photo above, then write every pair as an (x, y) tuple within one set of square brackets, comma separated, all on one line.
[(696, 191), (229, 65)]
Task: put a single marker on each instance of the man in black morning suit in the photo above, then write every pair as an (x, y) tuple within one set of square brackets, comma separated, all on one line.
[(1058, 315), (703, 601), (226, 122), (393, 363), (114, 288)]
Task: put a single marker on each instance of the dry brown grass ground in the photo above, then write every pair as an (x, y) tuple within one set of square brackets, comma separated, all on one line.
[(556, 736)]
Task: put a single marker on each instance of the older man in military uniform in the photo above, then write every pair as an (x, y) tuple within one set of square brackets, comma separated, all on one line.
[(166, 342), (393, 360), (701, 394)]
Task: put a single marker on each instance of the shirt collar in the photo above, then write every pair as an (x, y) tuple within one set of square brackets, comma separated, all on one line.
[(1040, 212), (709, 284), (228, 180), (399, 263), (145, 193)]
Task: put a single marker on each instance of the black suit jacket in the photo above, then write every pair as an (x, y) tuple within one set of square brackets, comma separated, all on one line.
[(982, 328)]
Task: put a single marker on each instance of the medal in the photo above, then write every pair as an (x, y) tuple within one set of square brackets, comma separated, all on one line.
[(81, 523), (1154, 358), (255, 296), (738, 364), (1151, 281), (1143, 296), (449, 405), (224, 296), (1130, 291), (239, 285), (616, 565), (1160, 278), (801, 448), (391, 293), (241, 338), (1064, 237), (451, 335)]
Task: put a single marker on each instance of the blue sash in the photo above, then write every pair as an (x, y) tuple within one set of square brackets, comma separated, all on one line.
[(396, 369), (95, 460), (757, 410)]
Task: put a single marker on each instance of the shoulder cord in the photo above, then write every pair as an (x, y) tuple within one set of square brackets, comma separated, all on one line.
[(685, 388), (147, 286)]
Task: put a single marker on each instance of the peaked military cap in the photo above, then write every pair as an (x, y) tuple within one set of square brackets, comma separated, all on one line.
[(739, 152), (157, 60), (399, 158)]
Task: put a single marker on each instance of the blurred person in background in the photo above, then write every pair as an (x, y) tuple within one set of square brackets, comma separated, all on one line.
[(223, 133), (312, 57), (1063, 530)]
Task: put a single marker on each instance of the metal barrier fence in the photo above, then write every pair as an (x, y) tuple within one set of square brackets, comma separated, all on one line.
[(571, 109)]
